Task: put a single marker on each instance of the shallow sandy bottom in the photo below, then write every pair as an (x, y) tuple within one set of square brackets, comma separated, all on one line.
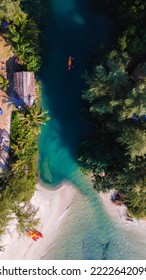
[(54, 205)]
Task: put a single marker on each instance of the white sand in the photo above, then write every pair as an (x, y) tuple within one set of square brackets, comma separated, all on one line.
[(53, 205), (118, 215)]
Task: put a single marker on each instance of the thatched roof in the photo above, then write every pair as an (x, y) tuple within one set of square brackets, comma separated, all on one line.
[(24, 86)]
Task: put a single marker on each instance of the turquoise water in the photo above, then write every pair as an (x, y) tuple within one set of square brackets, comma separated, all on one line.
[(71, 28)]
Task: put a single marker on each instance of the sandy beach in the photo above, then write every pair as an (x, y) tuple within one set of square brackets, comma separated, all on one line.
[(118, 213), (54, 206)]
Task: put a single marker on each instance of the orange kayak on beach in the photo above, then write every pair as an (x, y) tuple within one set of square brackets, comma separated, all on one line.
[(35, 235)]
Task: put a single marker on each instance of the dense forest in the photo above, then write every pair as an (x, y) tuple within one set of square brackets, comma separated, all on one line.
[(115, 99), (22, 31), (19, 26)]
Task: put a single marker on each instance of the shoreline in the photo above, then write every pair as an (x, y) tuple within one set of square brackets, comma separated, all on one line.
[(54, 206), (118, 213)]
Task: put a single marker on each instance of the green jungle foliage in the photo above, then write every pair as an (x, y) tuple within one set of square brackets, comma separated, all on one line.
[(4, 83), (9, 9), (34, 8), (23, 34), (115, 97), (22, 31), (18, 184), (130, 19)]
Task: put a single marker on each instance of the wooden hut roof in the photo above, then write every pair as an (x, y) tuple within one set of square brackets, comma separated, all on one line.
[(24, 86)]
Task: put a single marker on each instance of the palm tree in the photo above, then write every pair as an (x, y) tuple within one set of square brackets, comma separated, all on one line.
[(13, 34), (23, 35), (34, 117), (9, 9)]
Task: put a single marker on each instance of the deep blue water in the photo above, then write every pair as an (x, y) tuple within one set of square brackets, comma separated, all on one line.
[(71, 28)]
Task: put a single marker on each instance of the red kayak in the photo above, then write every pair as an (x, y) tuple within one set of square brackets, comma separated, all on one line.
[(69, 64)]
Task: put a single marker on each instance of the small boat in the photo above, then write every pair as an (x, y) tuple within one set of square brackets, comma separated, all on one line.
[(69, 64)]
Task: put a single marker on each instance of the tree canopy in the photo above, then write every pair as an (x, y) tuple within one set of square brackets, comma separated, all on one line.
[(9, 9), (115, 96)]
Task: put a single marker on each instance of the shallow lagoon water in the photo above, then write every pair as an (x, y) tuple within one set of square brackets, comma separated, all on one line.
[(73, 29)]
